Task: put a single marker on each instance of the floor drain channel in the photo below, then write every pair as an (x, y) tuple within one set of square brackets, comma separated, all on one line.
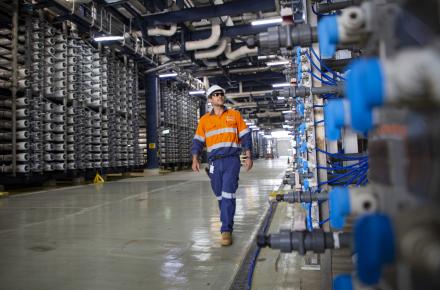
[(240, 281)]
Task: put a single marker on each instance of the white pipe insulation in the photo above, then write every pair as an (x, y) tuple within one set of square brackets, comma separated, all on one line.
[(161, 31), (233, 55), (191, 45), (212, 53)]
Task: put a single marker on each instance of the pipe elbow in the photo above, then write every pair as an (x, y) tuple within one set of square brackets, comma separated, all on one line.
[(156, 31), (213, 52)]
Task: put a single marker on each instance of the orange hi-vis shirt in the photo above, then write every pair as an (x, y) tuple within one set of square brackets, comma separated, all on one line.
[(223, 135)]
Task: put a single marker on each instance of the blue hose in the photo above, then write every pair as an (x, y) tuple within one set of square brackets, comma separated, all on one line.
[(322, 73), (324, 65)]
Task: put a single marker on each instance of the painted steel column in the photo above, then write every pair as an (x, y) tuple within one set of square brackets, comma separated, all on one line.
[(151, 85), (14, 84)]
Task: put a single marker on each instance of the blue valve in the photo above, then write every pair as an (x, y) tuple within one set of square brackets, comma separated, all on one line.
[(339, 202), (374, 245), (365, 90), (298, 62), (300, 109), (305, 166), (328, 35), (306, 184), (334, 118), (303, 148), (302, 128), (343, 282)]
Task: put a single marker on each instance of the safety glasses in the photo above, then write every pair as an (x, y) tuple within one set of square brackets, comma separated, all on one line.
[(219, 94)]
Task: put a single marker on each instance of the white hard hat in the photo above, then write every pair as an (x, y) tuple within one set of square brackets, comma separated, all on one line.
[(213, 89)]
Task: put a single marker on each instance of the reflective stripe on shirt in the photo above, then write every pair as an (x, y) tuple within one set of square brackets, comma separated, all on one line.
[(223, 144), (220, 131)]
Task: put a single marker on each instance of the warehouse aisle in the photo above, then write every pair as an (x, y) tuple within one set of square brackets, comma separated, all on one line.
[(156, 232)]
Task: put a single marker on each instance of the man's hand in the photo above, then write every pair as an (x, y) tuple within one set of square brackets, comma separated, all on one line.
[(195, 164), (248, 163)]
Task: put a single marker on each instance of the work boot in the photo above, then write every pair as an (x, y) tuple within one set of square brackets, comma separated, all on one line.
[(226, 239)]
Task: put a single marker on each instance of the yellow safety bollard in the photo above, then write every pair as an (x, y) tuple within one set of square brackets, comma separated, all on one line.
[(4, 194), (98, 179)]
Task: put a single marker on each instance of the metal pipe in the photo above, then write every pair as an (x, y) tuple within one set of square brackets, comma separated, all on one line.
[(328, 7), (212, 52)]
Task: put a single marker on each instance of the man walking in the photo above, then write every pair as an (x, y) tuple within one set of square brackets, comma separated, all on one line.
[(224, 132)]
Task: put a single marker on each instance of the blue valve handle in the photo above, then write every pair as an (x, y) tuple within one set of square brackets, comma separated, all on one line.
[(339, 202), (328, 35), (334, 117), (365, 90), (375, 246), (343, 282)]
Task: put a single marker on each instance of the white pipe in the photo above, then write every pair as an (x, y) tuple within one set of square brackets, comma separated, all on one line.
[(212, 52), (246, 94), (22, 135), (22, 157), (233, 55), (269, 114), (48, 167), (161, 31), (205, 43), (59, 166), (191, 45), (22, 168), (238, 53), (22, 146)]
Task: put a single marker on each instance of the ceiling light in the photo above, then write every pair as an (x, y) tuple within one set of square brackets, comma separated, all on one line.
[(108, 38), (260, 57), (200, 92), (280, 134), (267, 21), (274, 63), (281, 85), (168, 75)]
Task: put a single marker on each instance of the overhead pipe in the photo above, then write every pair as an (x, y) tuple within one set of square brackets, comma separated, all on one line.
[(246, 94), (233, 55), (165, 65), (162, 31), (214, 72), (238, 53), (233, 31), (190, 45), (228, 9), (212, 53)]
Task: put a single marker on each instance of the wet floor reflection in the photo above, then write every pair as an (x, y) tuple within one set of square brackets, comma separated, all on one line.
[(144, 233)]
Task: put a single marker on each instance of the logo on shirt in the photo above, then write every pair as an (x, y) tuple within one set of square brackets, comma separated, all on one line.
[(230, 119)]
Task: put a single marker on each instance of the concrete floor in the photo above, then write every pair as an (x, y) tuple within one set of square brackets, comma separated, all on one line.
[(285, 271), (157, 232)]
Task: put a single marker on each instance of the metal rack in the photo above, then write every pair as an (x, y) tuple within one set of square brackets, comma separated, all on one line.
[(178, 122), (76, 105)]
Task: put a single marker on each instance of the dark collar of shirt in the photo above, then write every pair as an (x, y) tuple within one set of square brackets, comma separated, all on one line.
[(224, 110)]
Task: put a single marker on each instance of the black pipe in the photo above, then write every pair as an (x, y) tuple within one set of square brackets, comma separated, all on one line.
[(192, 14), (328, 7), (297, 197), (302, 242)]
